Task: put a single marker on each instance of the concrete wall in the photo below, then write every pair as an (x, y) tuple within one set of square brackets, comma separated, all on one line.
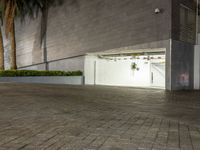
[(71, 64), (197, 67), (182, 62), (81, 26), (182, 53), (71, 80)]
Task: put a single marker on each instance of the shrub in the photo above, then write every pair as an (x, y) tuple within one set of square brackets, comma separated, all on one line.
[(22, 73)]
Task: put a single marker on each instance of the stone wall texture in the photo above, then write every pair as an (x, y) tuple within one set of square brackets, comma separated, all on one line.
[(77, 27)]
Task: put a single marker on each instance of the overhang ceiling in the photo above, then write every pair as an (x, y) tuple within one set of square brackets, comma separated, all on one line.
[(126, 52)]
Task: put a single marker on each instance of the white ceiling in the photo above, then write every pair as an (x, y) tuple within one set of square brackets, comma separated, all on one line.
[(122, 51)]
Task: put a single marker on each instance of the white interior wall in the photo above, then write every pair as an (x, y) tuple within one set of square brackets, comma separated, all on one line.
[(89, 67), (118, 72), (197, 67), (158, 74)]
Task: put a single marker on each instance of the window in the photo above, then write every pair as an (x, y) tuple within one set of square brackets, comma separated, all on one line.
[(187, 24)]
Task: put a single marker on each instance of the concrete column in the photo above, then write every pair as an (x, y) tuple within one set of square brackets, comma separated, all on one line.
[(89, 70), (182, 66), (197, 67)]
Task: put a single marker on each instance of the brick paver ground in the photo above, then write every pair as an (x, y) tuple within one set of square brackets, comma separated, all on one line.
[(58, 117)]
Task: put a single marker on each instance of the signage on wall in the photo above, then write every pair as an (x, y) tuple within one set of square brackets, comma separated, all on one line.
[(184, 79)]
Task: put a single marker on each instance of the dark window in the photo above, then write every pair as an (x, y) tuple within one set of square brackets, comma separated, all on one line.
[(187, 24)]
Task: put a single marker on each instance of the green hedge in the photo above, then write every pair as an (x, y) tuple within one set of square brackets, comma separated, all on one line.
[(22, 73)]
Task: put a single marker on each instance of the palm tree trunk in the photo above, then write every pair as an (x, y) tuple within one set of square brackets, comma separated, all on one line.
[(13, 56), (1, 51)]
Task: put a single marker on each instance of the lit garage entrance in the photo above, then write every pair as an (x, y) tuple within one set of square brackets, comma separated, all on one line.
[(136, 68)]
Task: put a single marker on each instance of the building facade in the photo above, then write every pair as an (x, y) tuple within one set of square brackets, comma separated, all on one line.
[(96, 36)]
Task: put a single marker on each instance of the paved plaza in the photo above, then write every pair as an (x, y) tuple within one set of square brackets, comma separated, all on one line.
[(60, 117)]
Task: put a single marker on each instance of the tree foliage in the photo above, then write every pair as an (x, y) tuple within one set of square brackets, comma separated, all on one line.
[(11, 9)]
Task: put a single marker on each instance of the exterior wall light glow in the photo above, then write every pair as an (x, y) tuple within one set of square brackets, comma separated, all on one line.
[(157, 11)]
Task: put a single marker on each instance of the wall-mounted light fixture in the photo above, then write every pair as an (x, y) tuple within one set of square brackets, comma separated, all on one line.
[(157, 11)]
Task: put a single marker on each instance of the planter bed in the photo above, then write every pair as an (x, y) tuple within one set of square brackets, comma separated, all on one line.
[(44, 77)]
